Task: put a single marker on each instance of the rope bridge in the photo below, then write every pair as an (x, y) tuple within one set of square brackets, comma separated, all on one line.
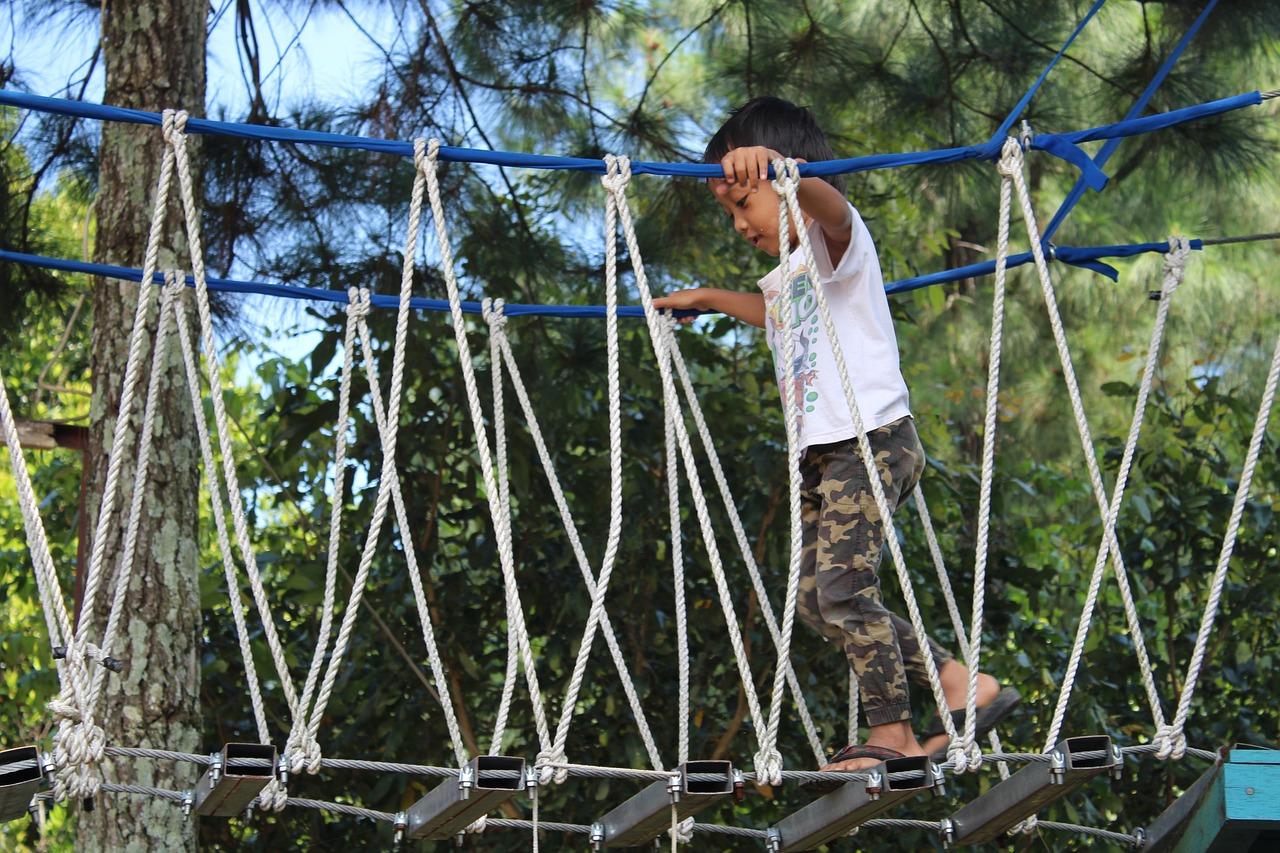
[(255, 776)]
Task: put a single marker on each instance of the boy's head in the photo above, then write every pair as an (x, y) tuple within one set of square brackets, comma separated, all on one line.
[(775, 124), (790, 130)]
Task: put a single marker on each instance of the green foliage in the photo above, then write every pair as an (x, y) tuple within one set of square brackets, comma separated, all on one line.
[(652, 79)]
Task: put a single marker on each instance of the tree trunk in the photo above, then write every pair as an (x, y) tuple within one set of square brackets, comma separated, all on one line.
[(154, 54)]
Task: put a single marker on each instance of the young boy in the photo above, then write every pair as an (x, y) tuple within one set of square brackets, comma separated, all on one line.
[(839, 590)]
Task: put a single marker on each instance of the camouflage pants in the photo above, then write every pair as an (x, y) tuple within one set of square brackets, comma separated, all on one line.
[(839, 590)]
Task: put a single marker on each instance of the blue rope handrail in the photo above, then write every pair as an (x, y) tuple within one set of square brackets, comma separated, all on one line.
[(1062, 145), (1087, 257)]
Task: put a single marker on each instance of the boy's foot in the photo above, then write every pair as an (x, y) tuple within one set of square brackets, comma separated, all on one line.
[(889, 741), (994, 704)]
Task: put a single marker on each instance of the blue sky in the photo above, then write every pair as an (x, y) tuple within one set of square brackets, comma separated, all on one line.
[(324, 53)]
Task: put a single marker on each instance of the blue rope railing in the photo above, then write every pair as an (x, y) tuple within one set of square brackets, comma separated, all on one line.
[(1087, 257), (1061, 145)]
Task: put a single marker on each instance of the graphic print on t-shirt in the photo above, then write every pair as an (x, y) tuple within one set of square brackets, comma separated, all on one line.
[(804, 335)]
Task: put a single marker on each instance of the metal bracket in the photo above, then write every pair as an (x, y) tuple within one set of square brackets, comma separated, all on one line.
[(1032, 788), (854, 803), (692, 788), (483, 783), (234, 779), (21, 778), (113, 664)]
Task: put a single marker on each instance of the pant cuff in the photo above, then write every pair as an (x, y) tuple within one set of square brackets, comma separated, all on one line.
[(898, 712)]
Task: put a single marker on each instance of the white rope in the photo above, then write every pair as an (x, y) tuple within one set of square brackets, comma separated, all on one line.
[(669, 416), (790, 402), (124, 571), (497, 320), (1010, 160), (1109, 510), (389, 492), (427, 164), (1175, 741), (575, 542), (568, 707), (176, 137), (768, 763), (383, 421), (79, 741), (356, 308), (234, 598), (786, 185), (740, 537)]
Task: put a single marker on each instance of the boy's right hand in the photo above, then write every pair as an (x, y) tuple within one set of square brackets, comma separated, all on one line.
[(691, 299), (749, 165)]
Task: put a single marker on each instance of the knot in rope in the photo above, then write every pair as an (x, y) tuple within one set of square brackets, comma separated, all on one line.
[(617, 173), (306, 756), (1175, 264), (78, 747), (425, 153), (768, 763), (359, 302), (786, 174), (493, 311), (478, 826), (684, 831), (274, 797), (63, 710), (1170, 742), (964, 758), (1026, 827), (1010, 158), (547, 773), (174, 283), (173, 124)]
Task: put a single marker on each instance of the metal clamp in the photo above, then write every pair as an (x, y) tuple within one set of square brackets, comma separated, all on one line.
[(235, 777), (646, 816), (854, 803), (482, 785), (1074, 761)]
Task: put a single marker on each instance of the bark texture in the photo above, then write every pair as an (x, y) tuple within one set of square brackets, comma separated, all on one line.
[(154, 53)]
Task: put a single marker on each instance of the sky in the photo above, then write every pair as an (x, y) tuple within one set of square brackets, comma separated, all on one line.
[(324, 53)]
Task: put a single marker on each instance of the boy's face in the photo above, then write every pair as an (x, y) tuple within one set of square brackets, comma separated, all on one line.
[(755, 213)]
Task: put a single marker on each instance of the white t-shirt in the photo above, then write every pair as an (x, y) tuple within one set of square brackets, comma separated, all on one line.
[(860, 313)]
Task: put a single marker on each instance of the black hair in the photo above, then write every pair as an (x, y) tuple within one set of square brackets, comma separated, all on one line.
[(789, 129)]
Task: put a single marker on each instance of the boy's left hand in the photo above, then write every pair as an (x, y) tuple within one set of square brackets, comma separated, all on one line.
[(747, 166)]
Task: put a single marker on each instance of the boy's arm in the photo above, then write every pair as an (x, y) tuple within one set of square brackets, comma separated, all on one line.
[(747, 307), (829, 208)]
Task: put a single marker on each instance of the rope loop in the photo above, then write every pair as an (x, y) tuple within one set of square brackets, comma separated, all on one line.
[(964, 758), (684, 831), (426, 152), (173, 124), (359, 303), (274, 797), (174, 284), (1010, 158), (1170, 742), (547, 771), (768, 763), (617, 173), (494, 313), (478, 826), (786, 174), (1175, 264)]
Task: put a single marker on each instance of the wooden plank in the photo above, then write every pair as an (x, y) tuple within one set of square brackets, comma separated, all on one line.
[(1240, 812)]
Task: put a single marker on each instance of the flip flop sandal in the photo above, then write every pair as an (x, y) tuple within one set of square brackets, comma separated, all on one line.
[(850, 752), (989, 715)]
